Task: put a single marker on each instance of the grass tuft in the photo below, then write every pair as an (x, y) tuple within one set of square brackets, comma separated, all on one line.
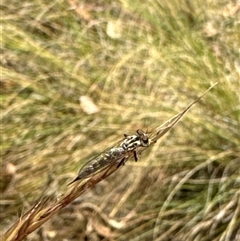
[(140, 63)]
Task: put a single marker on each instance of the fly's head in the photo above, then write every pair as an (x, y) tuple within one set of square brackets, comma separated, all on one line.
[(143, 138)]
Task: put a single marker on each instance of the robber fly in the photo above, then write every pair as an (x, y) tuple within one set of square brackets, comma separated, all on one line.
[(118, 153)]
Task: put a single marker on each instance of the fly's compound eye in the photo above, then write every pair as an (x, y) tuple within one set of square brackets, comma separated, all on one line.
[(143, 137), (145, 140), (140, 132)]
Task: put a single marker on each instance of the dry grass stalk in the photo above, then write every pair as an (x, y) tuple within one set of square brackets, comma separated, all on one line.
[(44, 209)]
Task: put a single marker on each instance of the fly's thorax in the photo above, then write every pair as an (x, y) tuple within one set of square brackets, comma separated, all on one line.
[(132, 142)]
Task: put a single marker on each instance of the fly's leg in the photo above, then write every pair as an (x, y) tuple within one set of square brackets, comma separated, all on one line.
[(135, 156), (122, 162)]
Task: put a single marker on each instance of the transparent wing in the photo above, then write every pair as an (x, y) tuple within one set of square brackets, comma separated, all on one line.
[(102, 161)]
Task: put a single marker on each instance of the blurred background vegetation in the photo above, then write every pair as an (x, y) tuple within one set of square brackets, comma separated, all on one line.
[(140, 63)]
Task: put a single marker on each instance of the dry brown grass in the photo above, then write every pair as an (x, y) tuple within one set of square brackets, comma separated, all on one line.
[(43, 210), (140, 63)]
